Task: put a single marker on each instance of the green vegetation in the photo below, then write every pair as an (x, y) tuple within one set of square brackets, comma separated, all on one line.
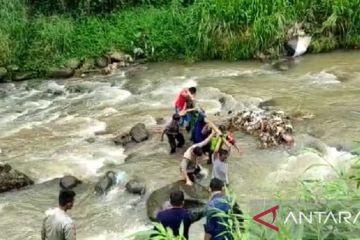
[(37, 35)]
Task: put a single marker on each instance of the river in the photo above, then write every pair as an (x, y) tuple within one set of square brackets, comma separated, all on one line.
[(44, 126)]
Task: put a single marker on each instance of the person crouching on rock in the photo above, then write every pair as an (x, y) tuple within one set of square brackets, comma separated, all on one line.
[(172, 131), (189, 165)]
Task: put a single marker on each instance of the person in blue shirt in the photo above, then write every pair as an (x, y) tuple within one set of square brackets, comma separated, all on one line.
[(176, 214), (214, 227)]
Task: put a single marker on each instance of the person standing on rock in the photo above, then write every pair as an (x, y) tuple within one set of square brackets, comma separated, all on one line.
[(189, 165), (172, 131), (180, 102), (176, 215), (57, 225)]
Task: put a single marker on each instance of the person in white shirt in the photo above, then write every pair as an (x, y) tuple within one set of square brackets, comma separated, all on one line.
[(220, 166), (57, 225), (189, 165)]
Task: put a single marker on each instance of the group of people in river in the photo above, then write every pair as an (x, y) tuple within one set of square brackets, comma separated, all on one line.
[(216, 142), (208, 139)]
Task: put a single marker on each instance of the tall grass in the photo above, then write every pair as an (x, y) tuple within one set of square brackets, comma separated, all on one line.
[(166, 30)]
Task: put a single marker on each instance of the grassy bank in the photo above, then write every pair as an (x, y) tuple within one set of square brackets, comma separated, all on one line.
[(37, 38)]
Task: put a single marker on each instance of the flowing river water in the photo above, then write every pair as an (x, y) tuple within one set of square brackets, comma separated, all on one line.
[(44, 126)]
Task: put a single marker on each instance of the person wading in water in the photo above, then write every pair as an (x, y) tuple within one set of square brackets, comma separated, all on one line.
[(172, 131), (57, 225)]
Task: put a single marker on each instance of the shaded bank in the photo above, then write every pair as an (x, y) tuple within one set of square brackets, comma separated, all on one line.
[(37, 37)]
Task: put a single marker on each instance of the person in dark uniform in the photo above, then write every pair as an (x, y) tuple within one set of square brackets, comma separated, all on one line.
[(172, 131)]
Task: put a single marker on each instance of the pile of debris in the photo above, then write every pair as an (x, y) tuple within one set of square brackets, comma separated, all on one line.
[(272, 128)]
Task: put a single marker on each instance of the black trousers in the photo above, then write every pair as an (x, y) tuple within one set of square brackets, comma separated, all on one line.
[(172, 141)]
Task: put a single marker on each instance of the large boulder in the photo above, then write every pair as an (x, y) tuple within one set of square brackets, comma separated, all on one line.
[(62, 73), (105, 183), (122, 139), (139, 133), (13, 68), (284, 64), (23, 76), (11, 179), (73, 63), (69, 182), (3, 73), (87, 65), (102, 62), (195, 198), (136, 186), (117, 56), (298, 42)]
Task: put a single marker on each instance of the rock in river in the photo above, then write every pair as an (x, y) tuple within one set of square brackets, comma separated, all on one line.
[(69, 182), (136, 186), (106, 182), (12, 179), (122, 139), (195, 198), (139, 133)]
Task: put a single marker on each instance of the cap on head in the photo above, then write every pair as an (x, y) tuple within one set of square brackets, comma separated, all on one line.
[(216, 185), (177, 198)]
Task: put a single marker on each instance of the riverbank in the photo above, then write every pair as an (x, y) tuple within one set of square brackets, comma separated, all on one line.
[(36, 40)]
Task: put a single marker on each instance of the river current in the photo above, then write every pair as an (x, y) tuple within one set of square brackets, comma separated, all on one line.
[(47, 130)]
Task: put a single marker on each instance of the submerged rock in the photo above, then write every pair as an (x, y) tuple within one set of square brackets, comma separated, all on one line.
[(122, 139), (195, 198), (90, 140), (136, 186), (284, 64), (139, 133), (267, 103), (160, 120), (11, 179), (69, 182), (105, 183)]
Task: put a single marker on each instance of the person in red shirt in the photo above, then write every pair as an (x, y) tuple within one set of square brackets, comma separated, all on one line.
[(181, 99), (186, 95)]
